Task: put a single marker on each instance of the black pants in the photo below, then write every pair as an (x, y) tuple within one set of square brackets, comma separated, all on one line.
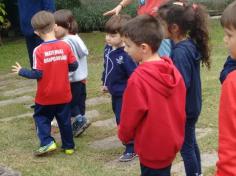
[(147, 171), (78, 90), (32, 42)]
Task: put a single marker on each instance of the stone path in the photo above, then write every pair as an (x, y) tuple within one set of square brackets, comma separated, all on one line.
[(108, 143), (208, 160), (4, 171), (19, 91), (17, 100)]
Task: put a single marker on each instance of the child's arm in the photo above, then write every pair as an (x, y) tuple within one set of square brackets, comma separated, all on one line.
[(118, 8), (182, 63), (31, 74), (73, 66), (134, 108), (130, 66)]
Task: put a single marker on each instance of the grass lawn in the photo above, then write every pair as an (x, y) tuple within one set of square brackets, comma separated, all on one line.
[(18, 138)]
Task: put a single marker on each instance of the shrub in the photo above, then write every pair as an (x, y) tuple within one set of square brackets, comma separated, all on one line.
[(89, 12)]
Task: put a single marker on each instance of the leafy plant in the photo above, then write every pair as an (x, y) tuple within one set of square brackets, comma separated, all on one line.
[(4, 23), (88, 13)]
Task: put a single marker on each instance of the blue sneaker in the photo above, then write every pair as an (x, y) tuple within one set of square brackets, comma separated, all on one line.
[(79, 125), (127, 157)]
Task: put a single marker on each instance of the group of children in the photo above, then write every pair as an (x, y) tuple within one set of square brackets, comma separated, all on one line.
[(156, 98), (60, 67)]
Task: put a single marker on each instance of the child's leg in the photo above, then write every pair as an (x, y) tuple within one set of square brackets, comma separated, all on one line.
[(32, 41), (190, 151), (128, 154), (146, 171), (116, 107), (82, 97), (43, 116), (75, 91), (129, 148), (80, 124), (64, 123)]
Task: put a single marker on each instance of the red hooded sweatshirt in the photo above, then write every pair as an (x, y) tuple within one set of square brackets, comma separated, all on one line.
[(226, 165), (153, 112)]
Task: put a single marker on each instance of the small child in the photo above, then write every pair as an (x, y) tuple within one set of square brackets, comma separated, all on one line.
[(67, 29), (153, 109), (53, 59), (226, 164), (118, 67), (187, 27)]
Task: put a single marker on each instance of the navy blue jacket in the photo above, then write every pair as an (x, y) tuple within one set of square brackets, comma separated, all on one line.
[(187, 59), (27, 9), (229, 66), (118, 67)]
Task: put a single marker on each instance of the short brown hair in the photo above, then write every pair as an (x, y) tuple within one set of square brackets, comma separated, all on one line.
[(65, 19), (228, 18), (114, 24), (144, 29), (43, 22)]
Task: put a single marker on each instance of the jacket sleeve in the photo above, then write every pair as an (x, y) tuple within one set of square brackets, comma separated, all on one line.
[(183, 65), (31, 74), (134, 107), (48, 5), (226, 164), (104, 65), (129, 65)]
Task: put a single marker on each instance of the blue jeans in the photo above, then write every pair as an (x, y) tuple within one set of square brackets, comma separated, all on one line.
[(44, 114), (190, 151), (146, 171)]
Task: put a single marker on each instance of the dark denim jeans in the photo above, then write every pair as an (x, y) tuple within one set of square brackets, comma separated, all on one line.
[(190, 151), (44, 114), (146, 171)]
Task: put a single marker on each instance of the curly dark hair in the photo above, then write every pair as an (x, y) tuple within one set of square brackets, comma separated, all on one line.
[(192, 21)]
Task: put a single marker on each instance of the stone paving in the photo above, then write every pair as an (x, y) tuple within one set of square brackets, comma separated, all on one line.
[(4, 171)]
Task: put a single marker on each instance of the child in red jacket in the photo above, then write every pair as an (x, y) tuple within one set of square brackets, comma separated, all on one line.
[(226, 164), (153, 108)]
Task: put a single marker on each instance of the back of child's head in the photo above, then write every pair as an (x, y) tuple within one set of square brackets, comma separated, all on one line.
[(43, 22), (144, 29), (228, 18), (114, 24), (192, 21), (65, 19)]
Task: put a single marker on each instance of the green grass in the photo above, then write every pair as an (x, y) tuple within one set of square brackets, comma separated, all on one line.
[(18, 137)]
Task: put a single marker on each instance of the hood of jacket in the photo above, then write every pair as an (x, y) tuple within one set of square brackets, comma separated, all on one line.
[(190, 48), (162, 75)]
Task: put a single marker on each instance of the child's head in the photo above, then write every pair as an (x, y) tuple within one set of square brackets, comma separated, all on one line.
[(43, 22), (228, 21), (185, 20), (66, 23), (142, 35), (113, 27)]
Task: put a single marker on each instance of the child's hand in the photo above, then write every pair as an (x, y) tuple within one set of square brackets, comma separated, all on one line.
[(16, 68), (104, 89)]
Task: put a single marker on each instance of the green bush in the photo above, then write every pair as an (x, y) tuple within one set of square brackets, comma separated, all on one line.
[(89, 12)]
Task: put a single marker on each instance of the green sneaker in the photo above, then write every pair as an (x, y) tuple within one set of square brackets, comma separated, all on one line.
[(46, 149), (69, 151)]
